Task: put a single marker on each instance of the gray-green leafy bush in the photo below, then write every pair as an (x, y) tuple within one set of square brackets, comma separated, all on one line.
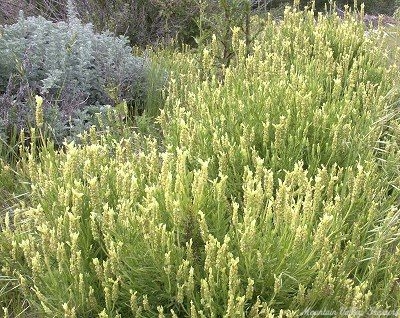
[(68, 64)]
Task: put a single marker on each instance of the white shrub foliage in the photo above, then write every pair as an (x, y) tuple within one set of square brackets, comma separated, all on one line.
[(68, 64)]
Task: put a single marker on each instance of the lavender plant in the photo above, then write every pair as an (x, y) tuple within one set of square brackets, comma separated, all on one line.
[(267, 200)]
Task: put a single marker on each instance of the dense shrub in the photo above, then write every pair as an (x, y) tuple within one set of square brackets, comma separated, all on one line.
[(68, 64), (267, 194)]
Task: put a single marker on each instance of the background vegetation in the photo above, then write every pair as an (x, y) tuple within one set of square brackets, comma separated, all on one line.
[(147, 22)]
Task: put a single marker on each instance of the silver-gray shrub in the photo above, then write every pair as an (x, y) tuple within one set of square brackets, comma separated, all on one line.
[(69, 65)]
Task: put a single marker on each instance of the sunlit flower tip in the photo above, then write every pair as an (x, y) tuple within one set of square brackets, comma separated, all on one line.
[(277, 283), (115, 290), (160, 310), (190, 282), (193, 312), (39, 111), (103, 314), (167, 263), (146, 304), (250, 288), (133, 301), (39, 100)]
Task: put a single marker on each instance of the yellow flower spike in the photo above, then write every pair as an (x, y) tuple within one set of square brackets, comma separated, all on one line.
[(193, 311), (280, 131), (207, 59), (115, 290), (180, 293), (91, 298), (206, 297), (300, 236), (81, 284), (107, 297), (146, 305), (7, 224), (300, 297), (46, 309), (75, 266), (160, 310), (203, 225), (133, 302), (23, 284), (190, 283), (165, 176), (98, 269), (108, 217), (248, 235), (320, 237), (200, 179), (174, 315), (167, 263), (239, 306), (76, 195), (189, 250), (249, 288), (22, 138), (183, 270), (37, 266), (222, 254), (358, 183), (235, 218), (61, 254), (212, 283), (277, 283), (94, 227), (93, 135), (39, 111), (234, 280), (211, 247), (103, 314), (14, 249)]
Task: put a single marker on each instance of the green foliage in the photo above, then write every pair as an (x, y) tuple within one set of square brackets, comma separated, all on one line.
[(291, 74), (68, 64), (274, 186), (226, 15)]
